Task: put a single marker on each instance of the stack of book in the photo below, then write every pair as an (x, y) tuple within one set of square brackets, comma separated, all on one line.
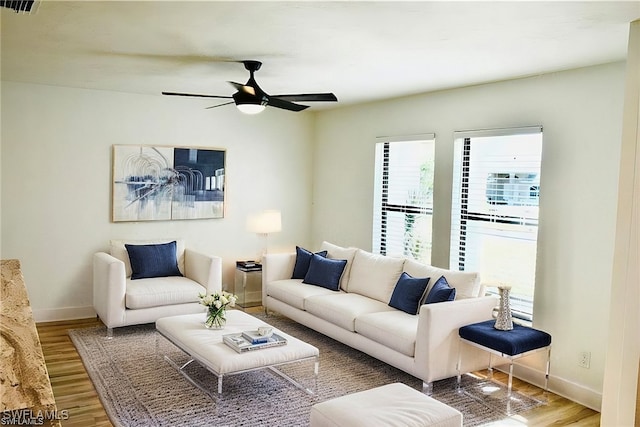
[(248, 266), (254, 337), (251, 340)]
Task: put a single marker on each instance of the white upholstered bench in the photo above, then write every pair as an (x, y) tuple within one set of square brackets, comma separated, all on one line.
[(206, 347), (390, 405)]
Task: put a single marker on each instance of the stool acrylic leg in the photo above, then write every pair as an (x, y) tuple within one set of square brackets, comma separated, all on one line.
[(546, 374), (490, 368), (459, 367), (510, 378)]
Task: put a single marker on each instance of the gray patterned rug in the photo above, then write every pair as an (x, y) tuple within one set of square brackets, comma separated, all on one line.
[(138, 388)]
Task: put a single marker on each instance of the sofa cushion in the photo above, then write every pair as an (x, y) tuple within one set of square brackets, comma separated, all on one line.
[(325, 272), (467, 284), (519, 340), (338, 252), (394, 329), (343, 308), (303, 258), (440, 292), (118, 250), (409, 293), (160, 291), (374, 276), (149, 261), (293, 292)]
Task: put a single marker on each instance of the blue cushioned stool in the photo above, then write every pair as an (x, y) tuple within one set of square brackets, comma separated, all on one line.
[(519, 342)]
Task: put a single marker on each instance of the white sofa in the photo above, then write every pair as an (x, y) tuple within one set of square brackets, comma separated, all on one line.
[(424, 345), (120, 301)]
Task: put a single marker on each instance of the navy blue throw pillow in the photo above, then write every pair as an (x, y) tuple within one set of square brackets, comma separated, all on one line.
[(441, 292), (408, 293), (303, 258), (153, 260), (325, 272)]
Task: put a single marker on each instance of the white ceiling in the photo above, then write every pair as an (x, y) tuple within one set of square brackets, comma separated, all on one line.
[(361, 51)]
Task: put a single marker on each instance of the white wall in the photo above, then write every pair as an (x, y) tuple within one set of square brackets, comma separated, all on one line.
[(621, 398), (56, 181), (581, 113)]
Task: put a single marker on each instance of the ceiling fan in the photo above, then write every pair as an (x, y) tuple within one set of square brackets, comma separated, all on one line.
[(251, 99)]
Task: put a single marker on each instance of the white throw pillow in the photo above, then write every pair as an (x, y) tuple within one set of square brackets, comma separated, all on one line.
[(467, 284), (338, 252), (374, 276), (118, 250)]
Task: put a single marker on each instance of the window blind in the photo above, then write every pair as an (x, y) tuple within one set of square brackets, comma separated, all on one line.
[(495, 198), (403, 196)]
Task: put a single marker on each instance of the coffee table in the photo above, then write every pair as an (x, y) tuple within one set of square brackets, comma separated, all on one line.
[(205, 346)]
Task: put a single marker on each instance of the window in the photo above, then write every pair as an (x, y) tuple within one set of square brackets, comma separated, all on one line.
[(403, 197), (494, 224)]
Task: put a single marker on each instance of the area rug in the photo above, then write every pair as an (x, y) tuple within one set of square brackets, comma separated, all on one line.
[(139, 388)]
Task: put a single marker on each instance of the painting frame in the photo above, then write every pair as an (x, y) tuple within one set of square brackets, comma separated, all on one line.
[(167, 183)]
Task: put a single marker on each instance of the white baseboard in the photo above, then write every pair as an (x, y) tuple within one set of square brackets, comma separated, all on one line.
[(66, 313), (578, 393)]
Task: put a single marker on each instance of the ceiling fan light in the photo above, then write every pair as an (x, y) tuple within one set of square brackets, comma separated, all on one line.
[(250, 108)]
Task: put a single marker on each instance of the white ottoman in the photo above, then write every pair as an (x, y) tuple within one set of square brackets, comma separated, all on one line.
[(390, 405)]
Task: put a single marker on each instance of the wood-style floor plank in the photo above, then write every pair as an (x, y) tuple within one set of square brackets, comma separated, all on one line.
[(75, 392), (70, 382)]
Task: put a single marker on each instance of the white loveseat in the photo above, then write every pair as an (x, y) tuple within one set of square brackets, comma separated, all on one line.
[(120, 300), (424, 345)]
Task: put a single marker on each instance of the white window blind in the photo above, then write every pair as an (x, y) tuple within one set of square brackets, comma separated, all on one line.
[(494, 224), (403, 196)]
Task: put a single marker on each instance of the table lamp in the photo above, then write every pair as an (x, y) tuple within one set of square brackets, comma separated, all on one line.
[(265, 223)]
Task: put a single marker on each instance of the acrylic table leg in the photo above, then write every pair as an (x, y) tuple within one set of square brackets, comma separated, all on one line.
[(546, 374), (459, 367), (490, 370), (510, 378), (316, 368), (220, 384)]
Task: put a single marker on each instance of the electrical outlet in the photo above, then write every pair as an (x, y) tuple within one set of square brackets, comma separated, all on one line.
[(584, 359)]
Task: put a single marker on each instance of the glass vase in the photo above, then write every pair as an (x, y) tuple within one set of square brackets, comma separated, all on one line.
[(215, 318), (504, 321)]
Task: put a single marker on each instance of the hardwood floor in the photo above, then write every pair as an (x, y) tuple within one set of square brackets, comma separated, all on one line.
[(74, 390), (71, 385)]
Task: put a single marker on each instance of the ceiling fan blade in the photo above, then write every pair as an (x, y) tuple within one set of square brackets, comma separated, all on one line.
[(309, 97), (285, 105), (220, 105), (244, 88), (195, 94)]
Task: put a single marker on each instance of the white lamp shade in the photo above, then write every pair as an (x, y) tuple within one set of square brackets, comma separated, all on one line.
[(251, 108), (265, 222)]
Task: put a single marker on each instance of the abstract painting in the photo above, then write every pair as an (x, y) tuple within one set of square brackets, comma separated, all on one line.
[(152, 183)]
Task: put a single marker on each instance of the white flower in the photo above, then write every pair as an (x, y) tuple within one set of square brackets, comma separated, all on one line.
[(218, 299)]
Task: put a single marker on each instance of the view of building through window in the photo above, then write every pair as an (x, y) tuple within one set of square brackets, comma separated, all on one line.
[(403, 197), (494, 224)]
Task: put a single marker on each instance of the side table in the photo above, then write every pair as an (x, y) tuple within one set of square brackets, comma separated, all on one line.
[(248, 284), (519, 342)]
